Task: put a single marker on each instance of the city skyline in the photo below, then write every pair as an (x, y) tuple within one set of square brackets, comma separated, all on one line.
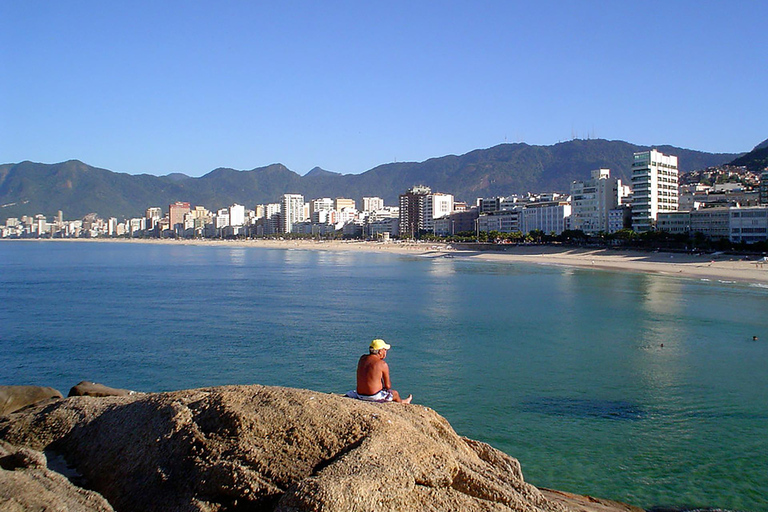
[(188, 87)]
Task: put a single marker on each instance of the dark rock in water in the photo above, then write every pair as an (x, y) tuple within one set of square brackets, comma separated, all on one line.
[(267, 448), (586, 408), (86, 388), (14, 398), (27, 484)]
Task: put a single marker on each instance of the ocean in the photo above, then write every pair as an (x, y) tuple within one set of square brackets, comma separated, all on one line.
[(641, 388)]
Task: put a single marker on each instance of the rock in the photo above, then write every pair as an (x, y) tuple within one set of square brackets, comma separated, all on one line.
[(86, 388), (268, 448), (13, 398), (578, 503), (27, 484)]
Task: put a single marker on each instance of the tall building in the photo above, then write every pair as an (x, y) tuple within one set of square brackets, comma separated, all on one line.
[(764, 188), (237, 215), (435, 206), (654, 187), (340, 203), (592, 200), (153, 216), (321, 204), (291, 212), (372, 204), (411, 211), (176, 212)]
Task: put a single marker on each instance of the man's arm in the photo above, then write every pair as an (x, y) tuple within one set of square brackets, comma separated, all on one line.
[(385, 375)]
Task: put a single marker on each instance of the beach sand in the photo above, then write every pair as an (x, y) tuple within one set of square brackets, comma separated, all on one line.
[(715, 267)]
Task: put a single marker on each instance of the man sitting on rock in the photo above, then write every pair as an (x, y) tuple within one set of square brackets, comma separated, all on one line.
[(373, 382)]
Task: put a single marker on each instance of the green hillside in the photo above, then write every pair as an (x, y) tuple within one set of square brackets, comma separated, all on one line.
[(77, 189)]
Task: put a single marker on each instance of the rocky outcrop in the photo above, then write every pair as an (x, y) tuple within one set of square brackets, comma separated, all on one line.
[(14, 398), (86, 388), (26, 483), (266, 448)]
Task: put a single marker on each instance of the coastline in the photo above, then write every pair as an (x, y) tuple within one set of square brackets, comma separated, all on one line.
[(714, 267)]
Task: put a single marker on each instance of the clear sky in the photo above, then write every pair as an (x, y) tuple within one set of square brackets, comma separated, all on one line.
[(187, 86)]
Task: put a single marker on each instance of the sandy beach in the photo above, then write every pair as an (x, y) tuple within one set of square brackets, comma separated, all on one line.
[(715, 267)]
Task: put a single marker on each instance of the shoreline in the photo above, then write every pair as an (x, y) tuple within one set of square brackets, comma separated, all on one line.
[(714, 267)]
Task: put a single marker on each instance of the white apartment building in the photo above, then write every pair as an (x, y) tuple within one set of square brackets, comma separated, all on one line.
[(654, 187), (738, 224), (321, 204), (504, 221), (549, 217), (435, 206), (237, 215), (292, 211), (677, 223), (749, 225), (372, 204), (221, 219), (711, 222), (592, 200)]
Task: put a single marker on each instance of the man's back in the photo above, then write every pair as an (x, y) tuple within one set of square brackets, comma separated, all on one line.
[(372, 374)]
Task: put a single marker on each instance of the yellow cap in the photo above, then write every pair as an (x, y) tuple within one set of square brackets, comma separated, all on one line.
[(379, 344)]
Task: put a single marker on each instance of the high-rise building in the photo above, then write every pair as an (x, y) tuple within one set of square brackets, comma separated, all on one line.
[(237, 215), (372, 204), (592, 200), (654, 188), (291, 212), (764, 188), (412, 211), (435, 206), (321, 204), (176, 212)]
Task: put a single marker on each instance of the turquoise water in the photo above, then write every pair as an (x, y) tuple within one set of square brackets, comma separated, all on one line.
[(562, 368)]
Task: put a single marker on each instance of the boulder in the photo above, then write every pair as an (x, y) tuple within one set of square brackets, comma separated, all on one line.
[(269, 448), (26, 483), (86, 388), (13, 398)]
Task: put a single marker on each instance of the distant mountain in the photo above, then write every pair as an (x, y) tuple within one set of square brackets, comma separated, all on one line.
[(756, 160), (77, 189), (176, 176), (317, 171)]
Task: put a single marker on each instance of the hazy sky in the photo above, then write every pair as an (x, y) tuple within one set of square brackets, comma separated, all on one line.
[(161, 86)]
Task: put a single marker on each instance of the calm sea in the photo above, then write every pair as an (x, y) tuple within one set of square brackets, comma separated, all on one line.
[(640, 388)]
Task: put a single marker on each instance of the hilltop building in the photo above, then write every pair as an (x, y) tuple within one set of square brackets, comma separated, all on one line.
[(654, 186)]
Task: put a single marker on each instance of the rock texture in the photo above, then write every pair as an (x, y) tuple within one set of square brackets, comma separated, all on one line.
[(13, 398), (86, 388), (266, 448), (27, 484)]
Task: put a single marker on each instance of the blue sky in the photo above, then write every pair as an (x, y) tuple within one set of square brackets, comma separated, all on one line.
[(160, 87)]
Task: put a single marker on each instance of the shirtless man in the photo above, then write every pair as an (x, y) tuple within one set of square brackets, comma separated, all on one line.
[(373, 376)]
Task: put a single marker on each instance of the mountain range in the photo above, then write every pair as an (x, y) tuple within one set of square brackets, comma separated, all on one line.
[(29, 188)]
